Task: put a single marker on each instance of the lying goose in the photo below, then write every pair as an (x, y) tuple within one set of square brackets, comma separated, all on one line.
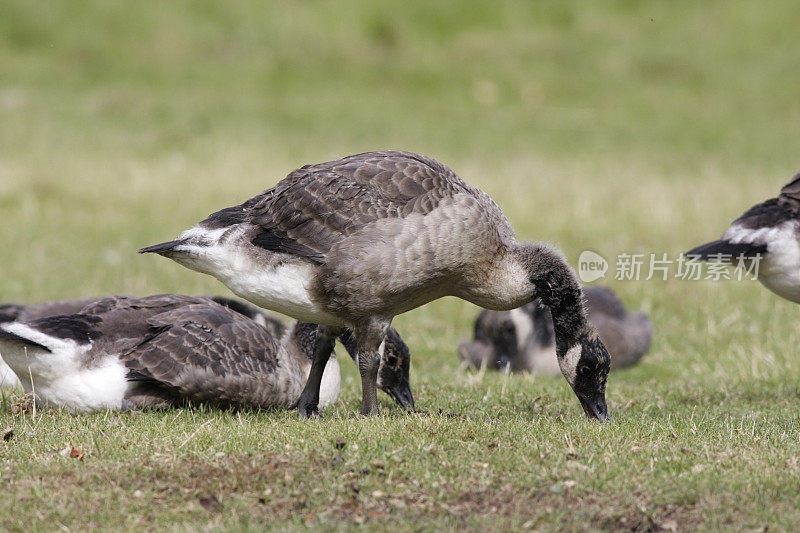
[(353, 242), (161, 351), (393, 376), (522, 340), (769, 230)]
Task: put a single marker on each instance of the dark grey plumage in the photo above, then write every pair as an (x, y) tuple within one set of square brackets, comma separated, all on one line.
[(522, 340), (395, 366), (354, 242)]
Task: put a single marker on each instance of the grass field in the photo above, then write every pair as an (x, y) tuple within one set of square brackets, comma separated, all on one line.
[(616, 127)]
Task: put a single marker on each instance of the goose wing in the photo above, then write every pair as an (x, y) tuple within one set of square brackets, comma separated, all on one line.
[(316, 206), (769, 222), (786, 206), (204, 351), (10, 312)]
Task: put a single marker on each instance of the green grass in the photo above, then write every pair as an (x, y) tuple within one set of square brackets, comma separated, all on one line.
[(616, 127)]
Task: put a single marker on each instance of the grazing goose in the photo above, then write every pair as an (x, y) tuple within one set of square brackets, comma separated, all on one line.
[(353, 242), (161, 351), (522, 340), (769, 230), (393, 376)]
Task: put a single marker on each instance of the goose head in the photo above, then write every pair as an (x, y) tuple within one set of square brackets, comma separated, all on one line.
[(582, 357), (585, 365), (393, 372)]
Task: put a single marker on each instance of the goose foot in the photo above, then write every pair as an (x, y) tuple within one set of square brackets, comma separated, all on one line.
[(306, 408)]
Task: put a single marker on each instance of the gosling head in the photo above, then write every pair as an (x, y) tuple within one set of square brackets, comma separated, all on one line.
[(585, 366), (393, 373)]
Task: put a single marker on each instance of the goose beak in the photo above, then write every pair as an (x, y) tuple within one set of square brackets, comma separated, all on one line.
[(595, 407), (401, 393)]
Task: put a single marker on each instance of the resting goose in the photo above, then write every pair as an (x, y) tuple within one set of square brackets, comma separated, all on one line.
[(393, 376), (770, 230), (522, 340), (353, 242), (161, 351)]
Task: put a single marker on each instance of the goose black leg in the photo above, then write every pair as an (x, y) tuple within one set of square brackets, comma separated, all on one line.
[(370, 337), (308, 403)]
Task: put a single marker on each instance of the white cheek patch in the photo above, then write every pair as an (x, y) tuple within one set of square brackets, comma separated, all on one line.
[(261, 320), (569, 363)]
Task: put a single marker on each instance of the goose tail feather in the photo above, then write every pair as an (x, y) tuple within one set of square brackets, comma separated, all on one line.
[(165, 248), (719, 250)]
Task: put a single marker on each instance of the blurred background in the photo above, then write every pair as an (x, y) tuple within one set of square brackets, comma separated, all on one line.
[(617, 127)]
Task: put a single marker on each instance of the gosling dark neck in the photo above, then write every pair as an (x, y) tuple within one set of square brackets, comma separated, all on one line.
[(557, 287), (569, 322)]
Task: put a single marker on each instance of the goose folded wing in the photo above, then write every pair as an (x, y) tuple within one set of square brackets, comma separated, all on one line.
[(766, 215), (316, 206), (202, 351)]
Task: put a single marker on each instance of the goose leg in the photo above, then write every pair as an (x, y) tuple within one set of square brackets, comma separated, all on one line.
[(370, 341), (308, 402)]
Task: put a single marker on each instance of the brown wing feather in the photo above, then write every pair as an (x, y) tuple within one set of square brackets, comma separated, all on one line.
[(316, 206), (792, 189), (206, 352)]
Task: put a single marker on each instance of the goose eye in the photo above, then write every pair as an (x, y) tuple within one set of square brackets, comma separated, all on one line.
[(584, 370)]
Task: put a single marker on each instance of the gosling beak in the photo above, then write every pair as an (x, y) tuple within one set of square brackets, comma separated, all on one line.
[(595, 407), (401, 393)]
